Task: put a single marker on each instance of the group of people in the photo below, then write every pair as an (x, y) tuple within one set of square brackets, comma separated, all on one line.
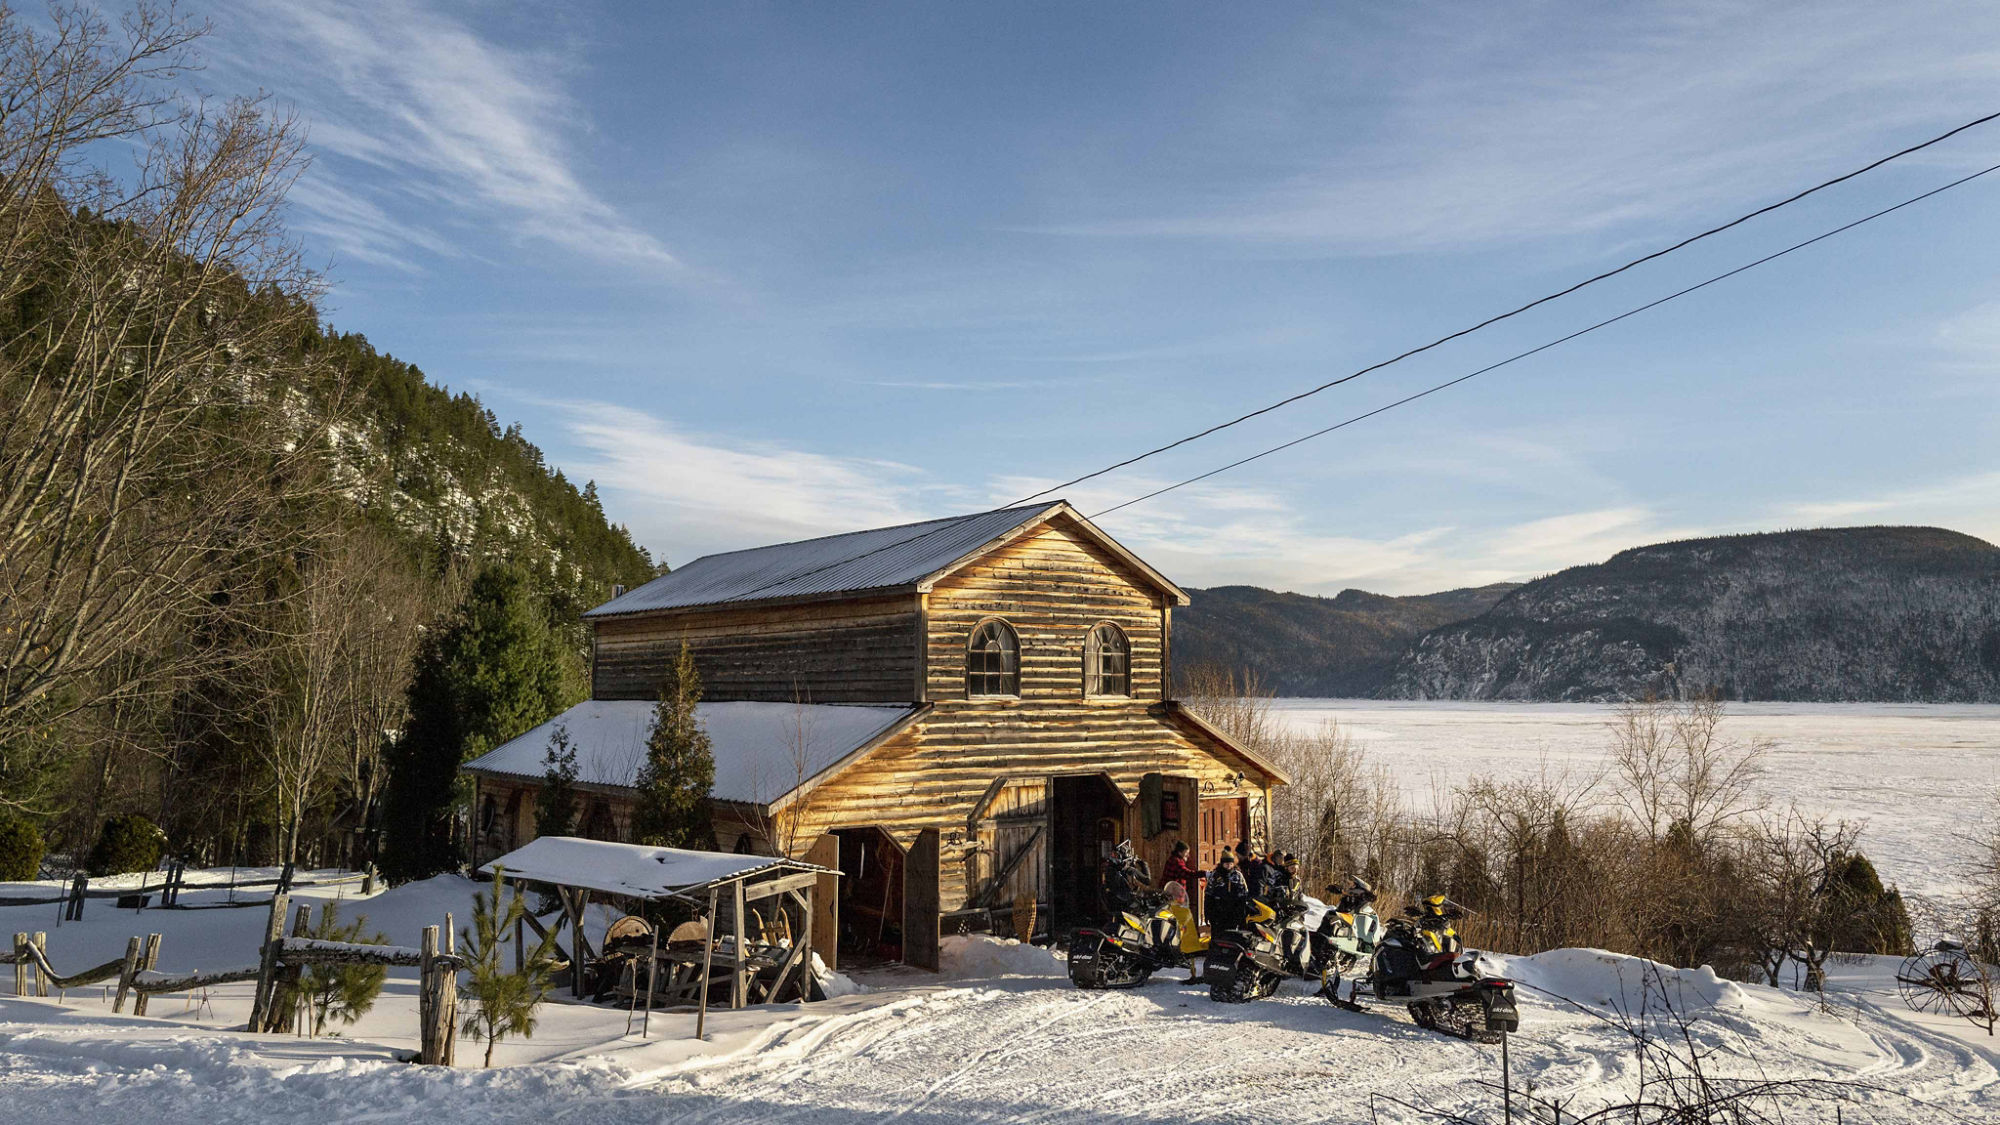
[(1242, 875)]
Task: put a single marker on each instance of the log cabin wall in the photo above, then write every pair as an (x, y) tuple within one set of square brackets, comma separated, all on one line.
[(861, 650), (1052, 585)]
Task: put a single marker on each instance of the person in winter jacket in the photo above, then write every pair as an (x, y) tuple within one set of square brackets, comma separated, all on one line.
[(1178, 870), (1125, 878), (1191, 940), (1228, 895), (1281, 873), (1251, 862)]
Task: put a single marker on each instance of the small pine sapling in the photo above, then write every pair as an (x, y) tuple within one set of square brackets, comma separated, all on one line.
[(503, 1003), (341, 994), (555, 802)]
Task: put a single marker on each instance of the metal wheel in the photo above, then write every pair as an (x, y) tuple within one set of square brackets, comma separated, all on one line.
[(1943, 979)]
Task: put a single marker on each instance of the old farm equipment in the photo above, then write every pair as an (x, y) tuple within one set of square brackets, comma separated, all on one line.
[(1947, 980)]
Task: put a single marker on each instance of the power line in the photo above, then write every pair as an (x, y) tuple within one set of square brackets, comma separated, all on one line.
[(1738, 221), (1552, 343), (1539, 301)]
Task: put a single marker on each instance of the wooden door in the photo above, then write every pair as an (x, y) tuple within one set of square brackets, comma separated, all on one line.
[(826, 900), (1222, 823), (920, 902)]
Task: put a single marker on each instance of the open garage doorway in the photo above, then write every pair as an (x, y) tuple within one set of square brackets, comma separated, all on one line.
[(1086, 821), (871, 897)]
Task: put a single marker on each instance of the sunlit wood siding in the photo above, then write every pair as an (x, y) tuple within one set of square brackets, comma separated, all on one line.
[(934, 774), (861, 650), (1052, 585)]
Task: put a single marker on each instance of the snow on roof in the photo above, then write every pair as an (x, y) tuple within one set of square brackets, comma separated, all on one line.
[(630, 869), (880, 558), (762, 750)]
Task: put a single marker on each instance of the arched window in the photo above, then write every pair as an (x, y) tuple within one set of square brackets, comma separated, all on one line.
[(993, 661), (1107, 662)]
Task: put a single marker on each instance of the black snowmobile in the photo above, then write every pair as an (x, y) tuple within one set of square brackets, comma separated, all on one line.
[(1277, 943), (1422, 963), (1247, 963), (1141, 938)]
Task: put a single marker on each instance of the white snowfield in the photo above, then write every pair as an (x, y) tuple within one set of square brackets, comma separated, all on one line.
[(1000, 1036)]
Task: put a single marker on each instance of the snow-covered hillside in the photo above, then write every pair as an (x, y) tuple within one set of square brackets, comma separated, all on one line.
[(1001, 1036)]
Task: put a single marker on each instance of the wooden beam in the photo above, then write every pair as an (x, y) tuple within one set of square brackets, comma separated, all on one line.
[(985, 802), (740, 979), (779, 886)]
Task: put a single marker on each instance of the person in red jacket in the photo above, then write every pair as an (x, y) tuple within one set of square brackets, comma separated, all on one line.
[(1178, 870)]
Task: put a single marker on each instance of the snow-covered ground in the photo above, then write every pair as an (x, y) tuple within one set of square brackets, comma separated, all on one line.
[(1920, 776), (1000, 1036)]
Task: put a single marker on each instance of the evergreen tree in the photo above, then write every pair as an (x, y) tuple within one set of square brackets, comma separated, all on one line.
[(340, 994), (503, 1003), (555, 802), (491, 670), (673, 809)]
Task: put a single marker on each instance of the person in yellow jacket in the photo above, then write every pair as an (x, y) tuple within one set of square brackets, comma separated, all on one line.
[(1192, 943)]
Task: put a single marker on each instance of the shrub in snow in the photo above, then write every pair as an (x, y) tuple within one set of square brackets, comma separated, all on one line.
[(341, 994), (20, 847), (127, 843), (503, 1003)]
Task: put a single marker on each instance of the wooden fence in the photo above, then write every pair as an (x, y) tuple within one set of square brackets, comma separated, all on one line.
[(280, 964), (175, 883)]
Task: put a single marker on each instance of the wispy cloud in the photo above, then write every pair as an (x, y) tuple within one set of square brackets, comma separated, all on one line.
[(1494, 125), (449, 121), (1969, 503), (692, 494)]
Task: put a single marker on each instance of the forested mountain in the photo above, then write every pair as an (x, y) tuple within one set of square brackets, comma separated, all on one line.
[(1862, 613), (240, 554), (437, 470), (1297, 644)]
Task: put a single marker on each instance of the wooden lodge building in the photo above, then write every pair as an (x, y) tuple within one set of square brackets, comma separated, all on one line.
[(957, 714)]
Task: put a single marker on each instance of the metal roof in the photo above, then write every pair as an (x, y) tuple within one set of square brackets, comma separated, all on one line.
[(763, 751), (879, 559)]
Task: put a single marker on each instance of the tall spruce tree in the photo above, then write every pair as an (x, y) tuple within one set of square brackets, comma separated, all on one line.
[(555, 801), (673, 808), (491, 670)]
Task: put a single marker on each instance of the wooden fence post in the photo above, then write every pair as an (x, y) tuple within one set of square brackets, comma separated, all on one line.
[(448, 997), (133, 947), (147, 961), (274, 931), (21, 958), (41, 940), (430, 996), (286, 987)]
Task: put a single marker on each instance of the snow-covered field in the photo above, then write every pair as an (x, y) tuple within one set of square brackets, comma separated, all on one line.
[(1920, 776), (1001, 1036)]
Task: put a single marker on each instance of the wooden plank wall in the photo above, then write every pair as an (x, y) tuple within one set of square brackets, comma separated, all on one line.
[(1052, 585), (857, 651)]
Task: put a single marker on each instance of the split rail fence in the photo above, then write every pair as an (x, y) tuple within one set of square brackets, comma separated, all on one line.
[(175, 884), (281, 962)]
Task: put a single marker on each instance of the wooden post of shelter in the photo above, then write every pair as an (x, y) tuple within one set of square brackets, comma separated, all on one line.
[(274, 932), (147, 961), (707, 963), (739, 981)]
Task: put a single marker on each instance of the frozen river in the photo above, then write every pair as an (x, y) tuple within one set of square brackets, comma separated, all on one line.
[(1920, 776)]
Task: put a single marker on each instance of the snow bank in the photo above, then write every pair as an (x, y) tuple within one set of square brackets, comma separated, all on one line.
[(978, 956), (833, 984), (1617, 983)]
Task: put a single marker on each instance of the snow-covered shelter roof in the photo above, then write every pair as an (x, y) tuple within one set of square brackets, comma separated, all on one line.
[(633, 870), (763, 751), (883, 558)]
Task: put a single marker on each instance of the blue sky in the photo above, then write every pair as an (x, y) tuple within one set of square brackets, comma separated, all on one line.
[(769, 271)]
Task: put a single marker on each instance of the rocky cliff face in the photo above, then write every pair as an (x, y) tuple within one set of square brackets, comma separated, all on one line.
[(1869, 613)]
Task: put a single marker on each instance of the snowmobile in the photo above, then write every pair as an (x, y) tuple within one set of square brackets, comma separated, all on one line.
[(1142, 937), (1421, 962), (1239, 968), (1247, 963)]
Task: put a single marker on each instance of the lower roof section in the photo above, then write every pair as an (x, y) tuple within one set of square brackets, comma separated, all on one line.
[(763, 751)]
